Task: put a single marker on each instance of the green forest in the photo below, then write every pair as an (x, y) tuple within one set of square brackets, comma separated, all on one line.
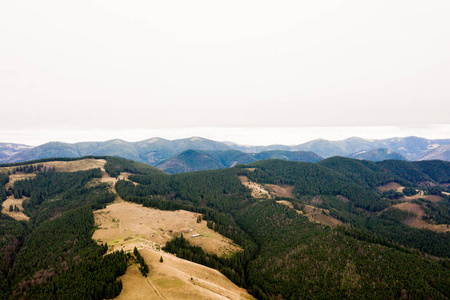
[(374, 254)]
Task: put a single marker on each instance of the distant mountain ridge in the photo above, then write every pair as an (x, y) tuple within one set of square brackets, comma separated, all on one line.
[(440, 153), (9, 149), (199, 160), (412, 148), (378, 155), (150, 151), (155, 151)]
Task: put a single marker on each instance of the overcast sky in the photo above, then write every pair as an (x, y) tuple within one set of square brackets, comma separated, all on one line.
[(258, 72)]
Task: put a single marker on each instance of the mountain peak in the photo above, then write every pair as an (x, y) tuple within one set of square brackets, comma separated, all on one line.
[(154, 140)]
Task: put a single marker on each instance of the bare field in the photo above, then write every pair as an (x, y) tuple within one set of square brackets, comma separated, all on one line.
[(314, 214), (321, 216), (433, 198), (411, 207), (258, 190), (281, 190), (176, 278), (125, 225), (18, 215), (389, 186), (421, 195), (398, 188), (417, 222)]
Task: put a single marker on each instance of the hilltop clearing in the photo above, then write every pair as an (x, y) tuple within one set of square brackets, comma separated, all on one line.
[(65, 166), (390, 186), (314, 214), (127, 225), (16, 204), (258, 191)]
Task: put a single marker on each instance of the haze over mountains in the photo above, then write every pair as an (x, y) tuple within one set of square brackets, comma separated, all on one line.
[(7, 149), (196, 153)]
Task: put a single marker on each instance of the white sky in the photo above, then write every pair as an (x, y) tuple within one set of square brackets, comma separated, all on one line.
[(255, 72)]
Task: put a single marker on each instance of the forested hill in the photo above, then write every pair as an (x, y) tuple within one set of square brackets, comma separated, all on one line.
[(339, 228), (52, 255), (375, 254)]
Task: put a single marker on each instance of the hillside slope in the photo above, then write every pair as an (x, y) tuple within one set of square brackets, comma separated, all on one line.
[(339, 228)]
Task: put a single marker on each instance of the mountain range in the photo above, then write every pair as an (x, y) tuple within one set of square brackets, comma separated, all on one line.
[(174, 157), (8, 149), (199, 160)]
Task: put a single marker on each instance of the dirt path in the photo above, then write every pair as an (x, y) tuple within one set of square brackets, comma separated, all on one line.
[(176, 278), (160, 296)]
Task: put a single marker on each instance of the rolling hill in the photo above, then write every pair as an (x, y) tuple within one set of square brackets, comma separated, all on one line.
[(338, 228)]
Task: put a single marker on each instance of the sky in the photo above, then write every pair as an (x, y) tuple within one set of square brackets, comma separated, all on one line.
[(253, 72)]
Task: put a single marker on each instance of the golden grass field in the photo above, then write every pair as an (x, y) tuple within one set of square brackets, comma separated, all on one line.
[(124, 225), (19, 215), (177, 278), (17, 177)]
